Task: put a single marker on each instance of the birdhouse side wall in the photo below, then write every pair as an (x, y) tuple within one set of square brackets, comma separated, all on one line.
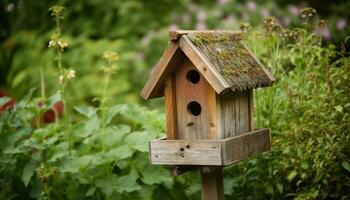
[(234, 113)]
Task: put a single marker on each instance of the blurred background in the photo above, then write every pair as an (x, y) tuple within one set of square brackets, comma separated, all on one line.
[(136, 29)]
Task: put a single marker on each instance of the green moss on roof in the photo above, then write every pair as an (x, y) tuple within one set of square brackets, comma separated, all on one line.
[(232, 59)]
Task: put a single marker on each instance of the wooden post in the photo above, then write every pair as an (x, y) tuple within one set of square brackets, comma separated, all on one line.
[(212, 183)]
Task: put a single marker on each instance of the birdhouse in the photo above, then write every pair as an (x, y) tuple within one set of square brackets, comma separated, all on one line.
[(207, 79)]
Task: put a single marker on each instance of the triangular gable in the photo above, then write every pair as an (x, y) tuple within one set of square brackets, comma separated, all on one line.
[(173, 55), (182, 44)]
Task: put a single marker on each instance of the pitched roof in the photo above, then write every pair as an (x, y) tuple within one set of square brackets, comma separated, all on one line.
[(220, 56)]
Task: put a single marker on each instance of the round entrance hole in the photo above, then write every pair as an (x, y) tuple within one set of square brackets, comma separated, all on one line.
[(194, 108), (193, 76)]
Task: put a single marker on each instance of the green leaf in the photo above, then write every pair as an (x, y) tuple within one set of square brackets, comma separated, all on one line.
[(28, 172), (292, 175), (90, 191), (339, 108), (111, 112), (119, 153), (91, 125), (346, 165), (4, 100), (128, 183), (138, 140), (107, 184), (156, 175), (279, 187), (54, 99), (59, 151), (87, 111), (114, 136)]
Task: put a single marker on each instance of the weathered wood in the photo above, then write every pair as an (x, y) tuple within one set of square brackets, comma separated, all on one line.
[(202, 63), (251, 111), (185, 152), (212, 184), (175, 34), (222, 152), (245, 145), (188, 125), (171, 57), (233, 114), (170, 106)]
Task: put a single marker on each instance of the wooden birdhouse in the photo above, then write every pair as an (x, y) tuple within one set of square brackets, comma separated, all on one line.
[(207, 79)]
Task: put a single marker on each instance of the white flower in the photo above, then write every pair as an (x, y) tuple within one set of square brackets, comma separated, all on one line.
[(70, 74), (52, 43), (60, 79)]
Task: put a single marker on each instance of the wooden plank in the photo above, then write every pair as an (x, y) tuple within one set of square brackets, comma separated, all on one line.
[(212, 114), (233, 113), (243, 146), (191, 126), (170, 106), (212, 184), (251, 111), (243, 99), (175, 34), (171, 56), (210, 152), (185, 152), (226, 115), (203, 65)]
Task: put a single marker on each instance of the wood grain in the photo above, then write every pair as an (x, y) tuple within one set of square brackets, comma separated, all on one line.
[(203, 65), (170, 59), (246, 145), (251, 111), (212, 184), (222, 152), (190, 126), (185, 152), (170, 106), (233, 114)]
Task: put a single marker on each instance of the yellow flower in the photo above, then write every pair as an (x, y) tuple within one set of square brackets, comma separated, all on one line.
[(110, 56)]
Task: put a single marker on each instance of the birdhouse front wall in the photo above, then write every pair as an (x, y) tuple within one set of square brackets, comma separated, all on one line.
[(195, 111), (195, 104)]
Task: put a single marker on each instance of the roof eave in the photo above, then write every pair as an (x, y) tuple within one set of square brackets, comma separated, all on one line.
[(152, 88), (202, 63)]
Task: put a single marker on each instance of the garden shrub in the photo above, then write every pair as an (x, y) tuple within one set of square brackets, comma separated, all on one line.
[(101, 152)]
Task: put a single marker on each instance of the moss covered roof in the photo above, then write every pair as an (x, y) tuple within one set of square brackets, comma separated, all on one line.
[(232, 59)]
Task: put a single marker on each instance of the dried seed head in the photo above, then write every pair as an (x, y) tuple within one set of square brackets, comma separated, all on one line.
[(271, 25), (321, 24), (307, 12), (56, 10), (110, 56), (245, 27)]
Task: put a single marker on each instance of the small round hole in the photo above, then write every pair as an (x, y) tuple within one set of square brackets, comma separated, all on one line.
[(194, 108), (182, 149), (193, 76), (187, 146)]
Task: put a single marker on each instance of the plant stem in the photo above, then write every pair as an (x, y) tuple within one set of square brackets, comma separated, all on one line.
[(62, 84), (103, 110)]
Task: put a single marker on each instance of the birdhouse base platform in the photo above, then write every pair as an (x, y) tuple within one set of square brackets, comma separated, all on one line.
[(221, 152)]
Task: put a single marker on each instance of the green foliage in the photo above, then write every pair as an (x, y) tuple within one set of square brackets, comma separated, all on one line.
[(308, 111), (101, 151)]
